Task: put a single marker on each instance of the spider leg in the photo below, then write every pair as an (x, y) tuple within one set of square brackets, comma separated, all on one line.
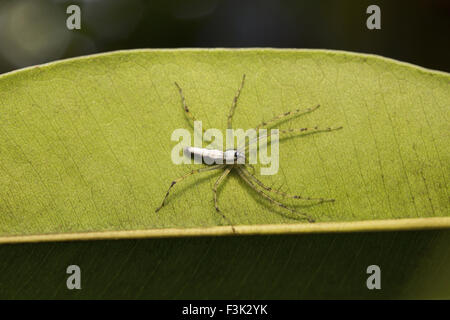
[(284, 194), (233, 105), (262, 193), (286, 114), (290, 131), (186, 108), (184, 177), (251, 166), (216, 185)]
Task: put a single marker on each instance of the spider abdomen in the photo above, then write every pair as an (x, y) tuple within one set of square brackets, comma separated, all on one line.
[(211, 156)]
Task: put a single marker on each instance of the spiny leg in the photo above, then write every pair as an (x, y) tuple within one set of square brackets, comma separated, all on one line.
[(284, 194), (233, 105), (297, 130), (286, 114), (186, 108), (184, 177), (251, 166), (310, 130), (262, 193), (216, 185)]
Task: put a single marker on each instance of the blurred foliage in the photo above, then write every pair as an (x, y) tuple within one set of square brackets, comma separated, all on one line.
[(414, 265), (34, 31)]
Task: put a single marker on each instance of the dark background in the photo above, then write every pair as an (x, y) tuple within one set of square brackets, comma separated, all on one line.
[(34, 31)]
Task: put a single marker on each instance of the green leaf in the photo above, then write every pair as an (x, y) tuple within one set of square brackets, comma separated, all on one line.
[(85, 153), (85, 143)]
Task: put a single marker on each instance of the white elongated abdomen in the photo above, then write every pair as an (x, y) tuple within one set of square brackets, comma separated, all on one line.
[(207, 154)]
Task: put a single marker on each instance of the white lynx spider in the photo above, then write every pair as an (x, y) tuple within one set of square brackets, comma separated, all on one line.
[(241, 168)]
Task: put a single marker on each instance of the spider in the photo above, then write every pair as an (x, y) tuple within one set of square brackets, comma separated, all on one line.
[(237, 159)]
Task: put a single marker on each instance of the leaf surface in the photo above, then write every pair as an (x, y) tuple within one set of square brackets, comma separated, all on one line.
[(85, 143)]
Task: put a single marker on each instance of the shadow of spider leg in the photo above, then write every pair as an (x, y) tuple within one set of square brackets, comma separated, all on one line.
[(187, 112), (233, 105), (262, 193), (219, 166), (216, 186), (284, 194)]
